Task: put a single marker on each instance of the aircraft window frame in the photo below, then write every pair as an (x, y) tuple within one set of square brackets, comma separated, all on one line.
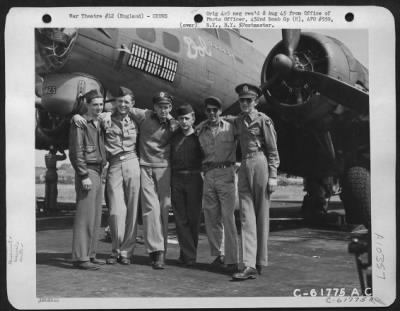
[(146, 34), (225, 37), (175, 47)]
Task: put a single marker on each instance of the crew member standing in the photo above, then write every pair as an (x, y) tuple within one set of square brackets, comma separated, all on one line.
[(88, 157), (218, 144), (123, 178), (186, 185), (257, 179), (156, 128), (51, 178)]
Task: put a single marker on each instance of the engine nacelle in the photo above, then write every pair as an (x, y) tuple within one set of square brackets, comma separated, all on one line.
[(314, 53), (61, 91), (59, 100)]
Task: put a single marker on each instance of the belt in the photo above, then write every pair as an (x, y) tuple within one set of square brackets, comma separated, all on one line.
[(253, 154), (122, 156), (211, 165), (186, 172)]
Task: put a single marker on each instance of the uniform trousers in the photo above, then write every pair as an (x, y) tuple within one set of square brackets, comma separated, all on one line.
[(186, 192), (123, 190), (87, 218), (155, 197), (219, 196), (254, 202)]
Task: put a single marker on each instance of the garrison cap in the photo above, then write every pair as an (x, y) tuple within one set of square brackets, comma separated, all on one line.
[(184, 109), (214, 101), (93, 94), (162, 98), (246, 90), (123, 91)]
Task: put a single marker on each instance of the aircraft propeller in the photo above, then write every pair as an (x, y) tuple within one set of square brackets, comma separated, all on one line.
[(287, 68)]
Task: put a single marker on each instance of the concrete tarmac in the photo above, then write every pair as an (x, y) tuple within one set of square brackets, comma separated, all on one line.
[(300, 258)]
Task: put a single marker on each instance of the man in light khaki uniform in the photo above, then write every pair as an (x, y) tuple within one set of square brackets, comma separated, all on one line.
[(218, 144), (123, 178), (257, 179)]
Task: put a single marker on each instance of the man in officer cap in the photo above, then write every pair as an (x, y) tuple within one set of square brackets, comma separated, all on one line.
[(257, 179), (123, 177), (156, 128), (218, 144), (187, 184), (88, 157)]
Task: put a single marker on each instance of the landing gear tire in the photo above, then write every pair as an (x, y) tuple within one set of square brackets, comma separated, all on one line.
[(356, 196)]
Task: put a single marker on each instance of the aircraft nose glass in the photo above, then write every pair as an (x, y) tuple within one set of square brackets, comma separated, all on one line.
[(54, 44)]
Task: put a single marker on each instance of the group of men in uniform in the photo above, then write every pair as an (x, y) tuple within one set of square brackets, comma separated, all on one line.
[(194, 167)]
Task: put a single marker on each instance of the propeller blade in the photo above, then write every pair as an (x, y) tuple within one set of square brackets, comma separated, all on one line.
[(267, 84), (291, 38), (299, 96), (341, 92)]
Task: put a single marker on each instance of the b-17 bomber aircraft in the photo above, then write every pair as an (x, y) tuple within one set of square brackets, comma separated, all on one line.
[(314, 90)]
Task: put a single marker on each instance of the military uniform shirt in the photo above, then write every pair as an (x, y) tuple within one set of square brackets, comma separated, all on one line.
[(155, 136), (121, 136), (256, 133), (218, 143), (185, 151)]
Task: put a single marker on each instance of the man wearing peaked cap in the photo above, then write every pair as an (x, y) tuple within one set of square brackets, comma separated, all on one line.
[(257, 179), (186, 184), (162, 97), (88, 157), (156, 127), (213, 101), (123, 178), (218, 144), (246, 90)]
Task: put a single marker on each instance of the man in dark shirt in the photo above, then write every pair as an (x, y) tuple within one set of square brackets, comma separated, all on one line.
[(88, 157), (187, 184)]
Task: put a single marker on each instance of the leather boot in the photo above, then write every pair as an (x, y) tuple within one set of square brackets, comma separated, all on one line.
[(160, 261)]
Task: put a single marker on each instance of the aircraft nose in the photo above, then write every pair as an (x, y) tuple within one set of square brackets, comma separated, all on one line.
[(53, 46)]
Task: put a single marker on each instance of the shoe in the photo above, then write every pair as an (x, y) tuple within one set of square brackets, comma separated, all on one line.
[(259, 269), (245, 274), (160, 261), (97, 261), (181, 261), (231, 268), (219, 261), (112, 260), (85, 265), (153, 257), (124, 260)]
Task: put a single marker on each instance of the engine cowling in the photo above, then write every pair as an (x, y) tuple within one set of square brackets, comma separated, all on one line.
[(294, 96), (60, 99)]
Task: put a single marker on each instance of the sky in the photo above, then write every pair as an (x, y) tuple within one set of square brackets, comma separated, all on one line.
[(265, 40)]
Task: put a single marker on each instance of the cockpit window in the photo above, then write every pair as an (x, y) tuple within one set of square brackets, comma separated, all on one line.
[(224, 36), (147, 34), (171, 42)]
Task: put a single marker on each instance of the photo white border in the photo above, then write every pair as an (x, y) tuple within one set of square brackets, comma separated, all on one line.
[(20, 148)]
